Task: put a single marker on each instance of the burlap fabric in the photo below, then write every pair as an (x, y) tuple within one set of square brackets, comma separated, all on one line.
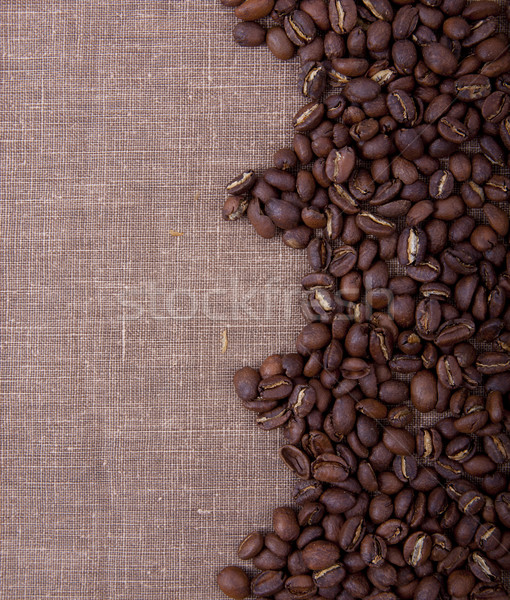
[(130, 471)]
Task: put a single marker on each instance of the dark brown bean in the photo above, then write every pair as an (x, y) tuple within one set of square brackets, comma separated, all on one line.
[(234, 582)]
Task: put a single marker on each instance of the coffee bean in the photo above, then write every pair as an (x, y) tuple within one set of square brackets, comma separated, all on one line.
[(398, 441), (428, 443), (497, 447), (460, 449), (268, 583), (342, 15), (249, 34), (489, 363), (361, 89), (402, 107), (330, 468), (246, 382), (300, 586), (454, 331), (300, 28), (251, 10), (380, 9), (351, 533), (285, 524), (320, 554), (483, 568), (340, 164), (472, 87), (488, 537), (417, 548), (424, 391), (251, 545), (439, 59), (405, 468), (234, 583), (308, 117), (296, 460)]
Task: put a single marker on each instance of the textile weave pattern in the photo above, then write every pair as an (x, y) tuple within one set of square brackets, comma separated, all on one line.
[(130, 470)]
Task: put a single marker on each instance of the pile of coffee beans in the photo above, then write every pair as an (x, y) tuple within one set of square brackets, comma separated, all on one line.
[(397, 186)]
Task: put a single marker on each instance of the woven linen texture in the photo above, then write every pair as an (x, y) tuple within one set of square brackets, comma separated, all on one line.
[(129, 469)]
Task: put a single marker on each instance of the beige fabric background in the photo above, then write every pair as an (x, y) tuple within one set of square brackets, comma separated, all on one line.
[(129, 469)]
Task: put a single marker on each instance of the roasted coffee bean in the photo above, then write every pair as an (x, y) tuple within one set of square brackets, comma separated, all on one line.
[(246, 382), (460, 449), (342, 15), (299, 586), (268, 583), (320, 554), (373, 550), (314, 336), (261, 222), (483, 568), (472, 87), (412, 246), (285, 524), (307, 491), (252, 10), (502, 505), (234, 583), (441, 184), (277, 546), (300, 28), (405, 468), (266, 560), (343, 260), (330, 468), (296, 460), (417, 548), (398, 441), (340, 164), (249, 34), (448, 469), (251, 545), (276, 387), (329, 577), (380, 508), (351, 533), (234, 208), (449, 372), (308, 117), (489, 363), (280, 45), (426, 271), (428, 443), (373, 225), (337, 501), (497, 447), (342, 198), (488, 537), (439, 59), (402, 107), (479, 465), (471, 502), (242, 183), (454, 331), (424, 391), (392, 531)]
